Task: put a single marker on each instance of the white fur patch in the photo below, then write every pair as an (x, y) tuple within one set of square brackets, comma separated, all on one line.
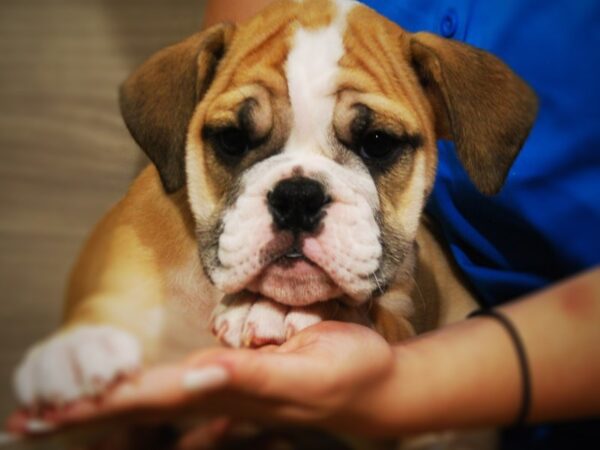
[(75, 364), (251, 321), (229, 319), (311, 72)]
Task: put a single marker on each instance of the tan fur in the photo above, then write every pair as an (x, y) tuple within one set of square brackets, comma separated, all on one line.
[(128, 272), (142, 258)]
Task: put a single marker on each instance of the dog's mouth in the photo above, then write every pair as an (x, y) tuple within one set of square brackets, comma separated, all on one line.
[(293, 279), (292, 255)]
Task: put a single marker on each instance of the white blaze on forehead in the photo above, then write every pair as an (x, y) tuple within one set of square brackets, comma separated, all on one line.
[(311, 72)]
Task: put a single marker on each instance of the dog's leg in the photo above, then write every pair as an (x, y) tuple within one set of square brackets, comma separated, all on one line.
[(115, 315), (75, 363), (105, 335)]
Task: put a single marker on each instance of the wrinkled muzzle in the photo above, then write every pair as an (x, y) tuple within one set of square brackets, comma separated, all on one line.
[(303, 229)]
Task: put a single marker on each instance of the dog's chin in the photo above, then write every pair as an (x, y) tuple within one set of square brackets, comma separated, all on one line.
[(295, 282)]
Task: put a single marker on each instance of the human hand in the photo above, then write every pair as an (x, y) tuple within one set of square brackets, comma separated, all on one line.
[(328, 375)]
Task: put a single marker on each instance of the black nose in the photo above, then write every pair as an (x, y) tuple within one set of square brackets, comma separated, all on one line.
[(296, 204)]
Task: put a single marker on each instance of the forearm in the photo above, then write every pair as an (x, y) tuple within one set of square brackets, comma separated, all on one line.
[(347, 377), (232, 10), (468, 375)]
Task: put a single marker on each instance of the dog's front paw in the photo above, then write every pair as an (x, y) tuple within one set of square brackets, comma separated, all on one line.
[(248, 321), (76, 363)]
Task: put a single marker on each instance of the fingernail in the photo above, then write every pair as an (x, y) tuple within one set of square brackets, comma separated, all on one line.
[(205, 378), (7, 438), (36, 426)]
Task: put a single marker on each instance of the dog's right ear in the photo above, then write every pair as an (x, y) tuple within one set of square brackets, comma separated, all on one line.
[(158, 100), (479, 103)]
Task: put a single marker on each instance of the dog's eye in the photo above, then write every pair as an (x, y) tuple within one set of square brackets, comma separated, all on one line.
[(377, 145), (232, 142)]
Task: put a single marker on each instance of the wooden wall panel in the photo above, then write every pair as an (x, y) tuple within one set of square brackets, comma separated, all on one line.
[(65, 155)]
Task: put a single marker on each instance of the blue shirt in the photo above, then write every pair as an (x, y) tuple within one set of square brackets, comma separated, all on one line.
[(545, 223)]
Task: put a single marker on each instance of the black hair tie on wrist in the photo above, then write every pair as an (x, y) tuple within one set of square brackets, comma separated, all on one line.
[(522, 357)]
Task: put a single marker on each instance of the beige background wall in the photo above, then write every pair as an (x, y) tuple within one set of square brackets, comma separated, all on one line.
[(65, 155)]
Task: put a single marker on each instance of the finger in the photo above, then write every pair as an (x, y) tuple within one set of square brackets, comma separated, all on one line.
[(23, 422), (265, 374), (268, 348), (157, 388), (248, 408), (207, 435), (7, 439), (169, 390), (16, 422)]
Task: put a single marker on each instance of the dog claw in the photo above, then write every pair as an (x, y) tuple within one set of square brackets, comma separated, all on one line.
[(289, 332), (261, 323), (221, 333), (249, 337)]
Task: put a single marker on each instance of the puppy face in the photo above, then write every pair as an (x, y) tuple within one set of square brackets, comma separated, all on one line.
[(310, 155), (304, 138)]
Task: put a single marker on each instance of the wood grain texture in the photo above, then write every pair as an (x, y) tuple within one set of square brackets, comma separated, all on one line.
[(65, 154)]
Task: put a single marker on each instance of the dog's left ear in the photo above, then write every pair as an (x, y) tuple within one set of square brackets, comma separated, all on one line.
[(159, 98), (479, 103)]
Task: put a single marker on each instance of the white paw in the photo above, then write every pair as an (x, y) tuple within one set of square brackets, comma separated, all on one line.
[(78, 363), (250, 321)]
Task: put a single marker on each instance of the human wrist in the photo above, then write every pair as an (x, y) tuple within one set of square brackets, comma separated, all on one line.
[(386, 402), (464, 375), (404, 403), (376, 409)]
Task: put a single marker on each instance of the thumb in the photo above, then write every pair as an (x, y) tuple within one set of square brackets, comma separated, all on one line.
[(266, 374)]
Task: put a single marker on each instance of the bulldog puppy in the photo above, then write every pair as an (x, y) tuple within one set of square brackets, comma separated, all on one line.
[(292, 158)]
